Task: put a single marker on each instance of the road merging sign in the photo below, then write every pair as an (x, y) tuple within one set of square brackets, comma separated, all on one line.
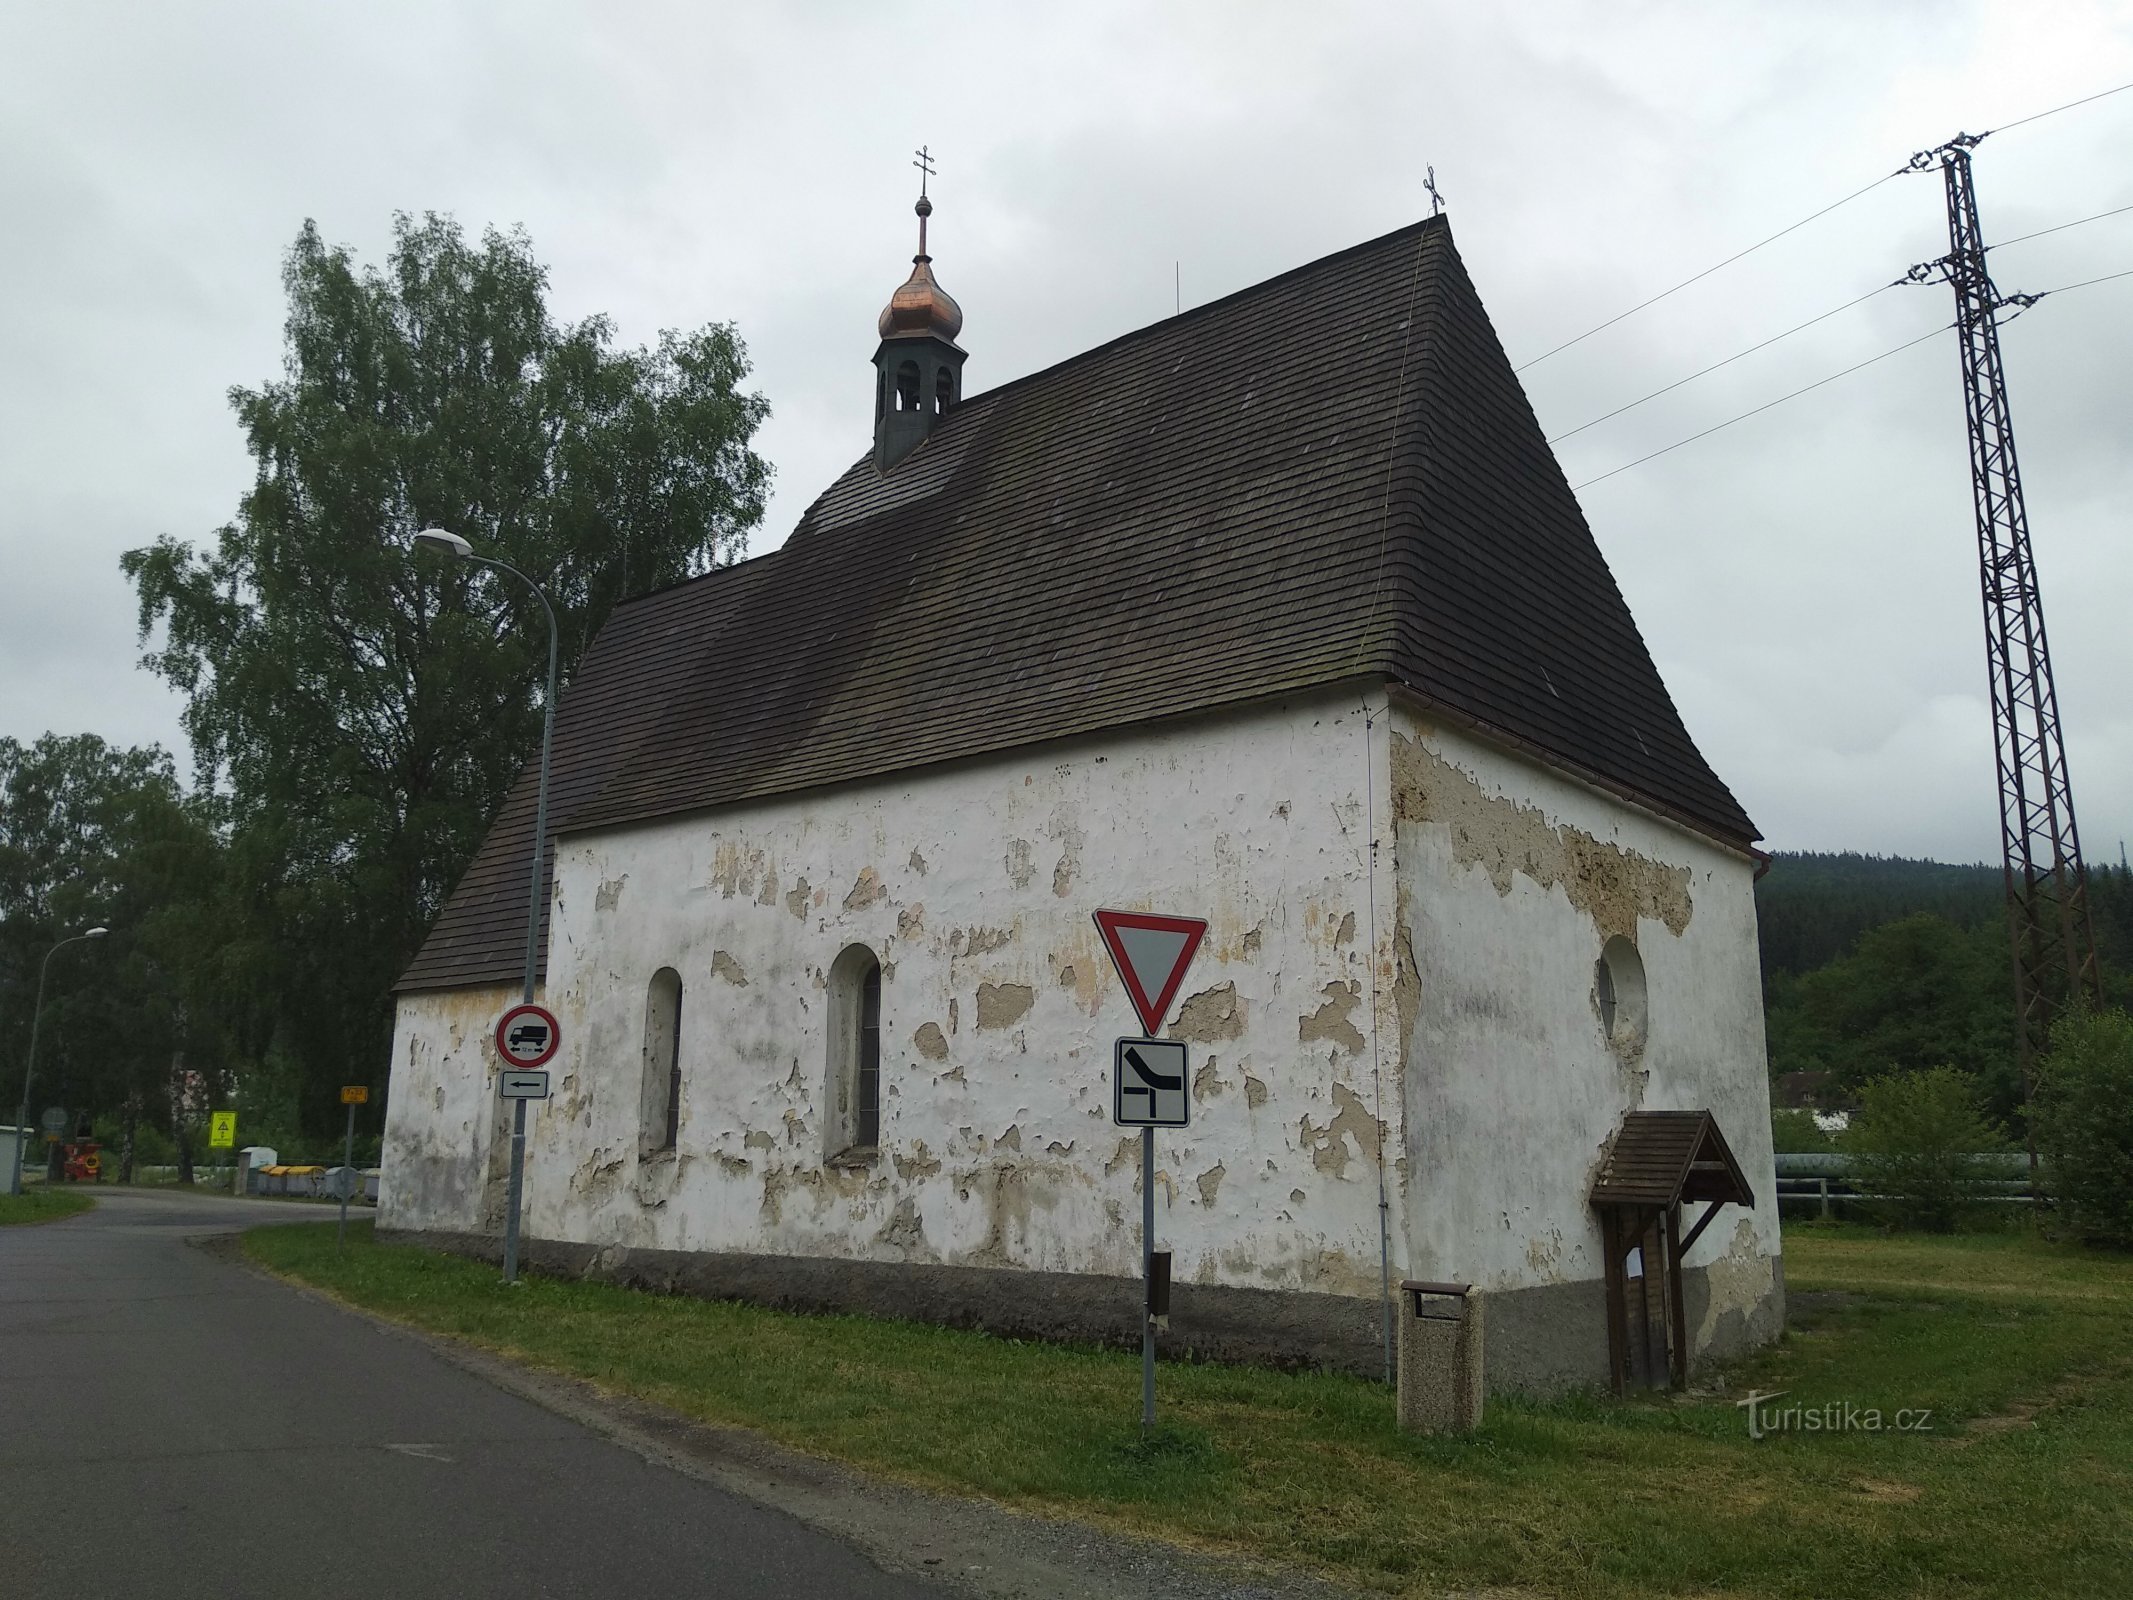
[(1148, 1084), (527, 1037), (525, 1085), (222, 1130), (1151, 954)]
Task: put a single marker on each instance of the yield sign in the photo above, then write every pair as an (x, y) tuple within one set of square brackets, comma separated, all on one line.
[(1151, 954)]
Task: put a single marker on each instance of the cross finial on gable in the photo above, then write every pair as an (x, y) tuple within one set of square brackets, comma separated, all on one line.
[(1436, 200)]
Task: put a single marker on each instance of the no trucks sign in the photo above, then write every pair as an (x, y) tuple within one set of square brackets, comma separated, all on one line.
[(527, 1037)]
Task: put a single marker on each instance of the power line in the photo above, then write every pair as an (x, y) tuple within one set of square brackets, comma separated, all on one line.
[(1707, 271), (2085, 282), (1759, 410), (2039, 116), (2035, 116), (1714, 366), (2061, 228)]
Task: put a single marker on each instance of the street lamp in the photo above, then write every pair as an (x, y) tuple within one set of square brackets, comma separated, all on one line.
[(452, 544), (22, 1115)]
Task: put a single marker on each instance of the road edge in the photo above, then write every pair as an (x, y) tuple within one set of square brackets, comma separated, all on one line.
[(984, 1549)]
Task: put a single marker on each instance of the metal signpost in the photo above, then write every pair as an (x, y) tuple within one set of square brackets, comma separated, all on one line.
[(526, 1037), (1148, 1086), (352, 1095)]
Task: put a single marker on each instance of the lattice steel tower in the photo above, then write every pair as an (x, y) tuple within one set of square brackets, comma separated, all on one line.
[(2047, 886)]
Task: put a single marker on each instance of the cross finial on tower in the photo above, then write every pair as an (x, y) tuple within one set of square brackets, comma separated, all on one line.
[(1436, 200), (924, 163)]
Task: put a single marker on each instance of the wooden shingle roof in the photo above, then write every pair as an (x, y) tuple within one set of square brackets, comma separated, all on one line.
[(1664, 1158), (1330, 476)]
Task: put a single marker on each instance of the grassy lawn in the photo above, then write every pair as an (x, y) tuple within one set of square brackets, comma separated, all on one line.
[(2018, 1485), (42, 1205)]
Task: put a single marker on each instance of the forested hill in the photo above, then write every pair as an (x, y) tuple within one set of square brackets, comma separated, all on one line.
[(1813, 907)]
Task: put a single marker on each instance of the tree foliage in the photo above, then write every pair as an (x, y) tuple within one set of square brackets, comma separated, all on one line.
[(1911, 994), (1918, 1138), (93, 835), (2084, 1126), (361, 714)]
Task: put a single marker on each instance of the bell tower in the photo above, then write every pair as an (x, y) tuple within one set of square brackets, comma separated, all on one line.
[(918, 368)]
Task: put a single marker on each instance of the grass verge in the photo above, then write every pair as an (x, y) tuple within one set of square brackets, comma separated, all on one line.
[(42, 1205), (2016, 1484)]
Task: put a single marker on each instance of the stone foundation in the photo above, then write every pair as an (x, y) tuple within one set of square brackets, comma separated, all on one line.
[(1542, 1340)]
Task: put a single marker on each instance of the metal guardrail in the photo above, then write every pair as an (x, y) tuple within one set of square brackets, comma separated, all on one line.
[(1825, 1179)]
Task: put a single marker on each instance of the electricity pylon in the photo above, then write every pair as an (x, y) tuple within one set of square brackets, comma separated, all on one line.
[(2048, 928)]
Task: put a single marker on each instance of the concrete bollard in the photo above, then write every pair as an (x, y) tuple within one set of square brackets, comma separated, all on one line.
[(1440, 1357)]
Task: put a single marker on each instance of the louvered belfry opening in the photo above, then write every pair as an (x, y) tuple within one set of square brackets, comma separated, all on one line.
[(1658, 1162)]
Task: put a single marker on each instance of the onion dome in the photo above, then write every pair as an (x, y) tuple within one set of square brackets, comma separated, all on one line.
[(921, 307)]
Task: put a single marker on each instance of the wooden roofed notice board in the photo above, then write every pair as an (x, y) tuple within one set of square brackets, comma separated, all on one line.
[(1657, 1162)]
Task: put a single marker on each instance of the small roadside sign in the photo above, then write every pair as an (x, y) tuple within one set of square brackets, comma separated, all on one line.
[(1151, 953), (1148, 1084), (222, 1130), (527, 1036), (355, 1094), (55, 1121), (525, 1086)]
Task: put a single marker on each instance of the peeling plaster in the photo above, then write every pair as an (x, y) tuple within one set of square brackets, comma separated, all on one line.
[(931, 1042), (867, 890), (918, 863), (1328, 1146), (724, 966), (796, 902), (1254, 1093), (1210, 1015), (1001, 1005), (1330, 1021), (1208, 1182), (1507, 839), (1020, 867), (609, 895)]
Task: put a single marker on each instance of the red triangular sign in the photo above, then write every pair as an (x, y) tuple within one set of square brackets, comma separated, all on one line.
[(1151, 954)]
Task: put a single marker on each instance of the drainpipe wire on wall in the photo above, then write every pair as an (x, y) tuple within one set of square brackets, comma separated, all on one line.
[(1377, 1084)]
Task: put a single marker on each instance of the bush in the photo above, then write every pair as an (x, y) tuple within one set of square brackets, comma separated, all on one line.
[(1918, 1137), (2083, 1116)]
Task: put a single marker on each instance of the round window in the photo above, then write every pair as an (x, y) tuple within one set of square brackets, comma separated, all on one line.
[(1618, 995)]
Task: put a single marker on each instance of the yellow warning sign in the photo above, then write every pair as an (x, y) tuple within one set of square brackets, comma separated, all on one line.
[(355, 1094), (222, 1130)]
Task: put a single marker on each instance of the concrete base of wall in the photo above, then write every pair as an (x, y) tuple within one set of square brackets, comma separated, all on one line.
[(1542, 1340)]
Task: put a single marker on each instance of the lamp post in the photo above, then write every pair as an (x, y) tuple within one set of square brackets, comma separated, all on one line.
[(22, 1114), (452, 544)]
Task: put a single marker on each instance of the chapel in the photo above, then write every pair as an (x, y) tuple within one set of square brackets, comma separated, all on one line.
[(1278, 612)]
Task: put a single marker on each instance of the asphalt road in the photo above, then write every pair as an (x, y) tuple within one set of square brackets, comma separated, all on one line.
[(174, 1425)]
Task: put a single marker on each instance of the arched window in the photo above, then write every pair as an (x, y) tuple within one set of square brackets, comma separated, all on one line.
[(1618, 994), (943, 391), (907, 386), (661, 1094), (854, 1084)]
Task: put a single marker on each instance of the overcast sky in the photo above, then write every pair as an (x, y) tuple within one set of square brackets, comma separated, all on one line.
[(1807, 579)]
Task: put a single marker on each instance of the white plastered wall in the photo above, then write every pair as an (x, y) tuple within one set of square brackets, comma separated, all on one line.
[(445, 1148), (974, 887), (1511, 879)]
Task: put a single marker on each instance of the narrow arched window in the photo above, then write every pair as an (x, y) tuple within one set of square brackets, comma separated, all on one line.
[(854, 1124), (907, 386), (661, 1094), (943, 391)]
